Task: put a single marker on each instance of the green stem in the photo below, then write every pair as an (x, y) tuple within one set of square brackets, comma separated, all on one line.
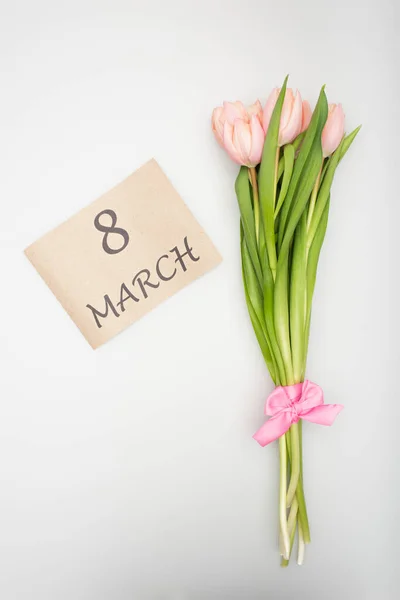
[(288, 156), (303, 517), (289, 448), (295, 463), (256, 202), (302, 509), (271, 246), (293, 516), (285, 561), (298, 503), (292, 521), (282, 497), (298, 299), (314, 197), (301, 549), (296, 145), (281, 319)]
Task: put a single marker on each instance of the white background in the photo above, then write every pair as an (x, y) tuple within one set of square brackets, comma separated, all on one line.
[(130, 472)]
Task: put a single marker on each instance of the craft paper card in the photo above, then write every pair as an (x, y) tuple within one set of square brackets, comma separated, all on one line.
[(124, 254)]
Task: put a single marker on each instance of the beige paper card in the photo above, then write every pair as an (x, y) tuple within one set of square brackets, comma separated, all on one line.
[(124, 254)]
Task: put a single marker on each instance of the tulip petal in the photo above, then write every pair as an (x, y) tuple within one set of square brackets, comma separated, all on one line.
[(269, 108), (292, 129), (286, 109), (255, 109), (242, 139), (333, 131), (228, 143), (306, 117), (257, 141), (234, 110)]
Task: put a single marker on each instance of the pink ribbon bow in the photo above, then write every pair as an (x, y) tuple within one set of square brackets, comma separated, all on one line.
[(287, 404)]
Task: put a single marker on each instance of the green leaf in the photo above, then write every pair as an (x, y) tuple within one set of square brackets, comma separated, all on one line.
[(323, 194), (298, 298), (254, 302), (243, 193), (296, 144), (306, 170), (309, 175), (319, 222), (262, 342), (267, 178), (288, 153), (254, 289), (301, 173), (312, 265), (281, 317), (268, 293), (348, 140), (298, 141)]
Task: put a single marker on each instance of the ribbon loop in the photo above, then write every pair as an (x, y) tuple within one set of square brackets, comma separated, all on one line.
[(287, 404)]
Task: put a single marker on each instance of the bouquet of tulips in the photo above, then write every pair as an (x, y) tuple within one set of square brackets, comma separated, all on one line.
[(288, 156)]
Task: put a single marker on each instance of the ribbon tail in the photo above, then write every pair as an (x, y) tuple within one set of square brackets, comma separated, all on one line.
[(273, 428), (325, 414)]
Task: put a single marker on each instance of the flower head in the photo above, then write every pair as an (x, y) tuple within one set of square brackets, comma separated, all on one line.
[(293, 109), (238, 129), (244, 141), (333, 131)]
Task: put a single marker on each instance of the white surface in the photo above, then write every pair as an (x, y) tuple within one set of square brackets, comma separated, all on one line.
[(130, 472)]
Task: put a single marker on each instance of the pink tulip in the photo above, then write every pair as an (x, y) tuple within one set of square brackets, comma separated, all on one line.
[(244, 141), (291, 115), (229, 112), (333, 131)]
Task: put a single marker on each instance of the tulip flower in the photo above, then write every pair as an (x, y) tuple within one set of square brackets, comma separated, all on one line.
[(229, 112), (333, 131), (291, 123), (244, 141)]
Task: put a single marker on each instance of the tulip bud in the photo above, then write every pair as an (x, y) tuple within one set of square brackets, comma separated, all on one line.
[(244, 141), (291, 116), (333, 131), (243, 126), (229, 112)]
